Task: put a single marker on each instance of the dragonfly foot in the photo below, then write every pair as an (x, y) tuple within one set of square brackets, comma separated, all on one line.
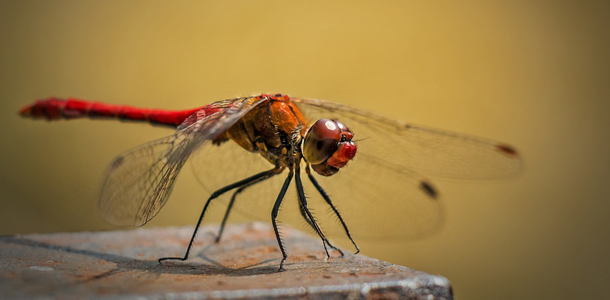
[(334, 248), (281, 269)]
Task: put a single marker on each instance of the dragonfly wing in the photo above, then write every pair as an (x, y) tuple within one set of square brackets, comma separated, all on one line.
[(138, 182), (376, 201), (217, 166), (382, 192)]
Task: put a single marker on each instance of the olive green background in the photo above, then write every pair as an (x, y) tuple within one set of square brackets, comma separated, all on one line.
[(534, 74)]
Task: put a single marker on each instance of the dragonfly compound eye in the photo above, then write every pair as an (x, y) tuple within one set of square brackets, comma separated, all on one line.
[(321, 141), (328, 146)]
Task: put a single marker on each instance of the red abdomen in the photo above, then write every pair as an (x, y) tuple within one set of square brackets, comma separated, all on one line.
[(55, 109)]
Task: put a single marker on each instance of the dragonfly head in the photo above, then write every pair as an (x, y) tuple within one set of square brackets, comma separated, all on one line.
[(328, 146)]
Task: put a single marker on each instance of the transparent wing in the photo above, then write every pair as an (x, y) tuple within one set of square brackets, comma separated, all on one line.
[(139, 182), (217, 166), (384, 191), (380, 194), (376, 201)]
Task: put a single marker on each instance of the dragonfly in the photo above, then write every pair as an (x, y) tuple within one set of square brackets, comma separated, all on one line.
[(372, 169)]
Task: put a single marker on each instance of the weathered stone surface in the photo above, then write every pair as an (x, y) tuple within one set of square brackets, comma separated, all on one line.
[(123, 264)]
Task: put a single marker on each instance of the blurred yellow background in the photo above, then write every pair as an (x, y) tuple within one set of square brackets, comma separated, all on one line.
[(534, 74)]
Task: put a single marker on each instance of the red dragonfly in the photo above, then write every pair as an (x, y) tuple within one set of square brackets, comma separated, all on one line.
[(282, 134)]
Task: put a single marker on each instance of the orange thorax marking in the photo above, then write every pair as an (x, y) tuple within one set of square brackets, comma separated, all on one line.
[(262, 127)]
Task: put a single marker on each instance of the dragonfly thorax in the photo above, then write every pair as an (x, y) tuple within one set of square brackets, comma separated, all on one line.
[(278, 131)]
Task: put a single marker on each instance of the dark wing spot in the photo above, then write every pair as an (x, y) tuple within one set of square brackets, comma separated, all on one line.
[(428, 189), (117, 162), (507, 150)]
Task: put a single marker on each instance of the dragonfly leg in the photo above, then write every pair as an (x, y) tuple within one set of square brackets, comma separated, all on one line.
[(214, 195), (330, 203), (303, 207), (270, 174), (304, 215), (276, 208)]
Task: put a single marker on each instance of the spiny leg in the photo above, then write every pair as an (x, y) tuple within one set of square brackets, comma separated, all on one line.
[(270, 174), (304, 215), (303, 204), (276, 208), (327, 198), (214, 195)]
